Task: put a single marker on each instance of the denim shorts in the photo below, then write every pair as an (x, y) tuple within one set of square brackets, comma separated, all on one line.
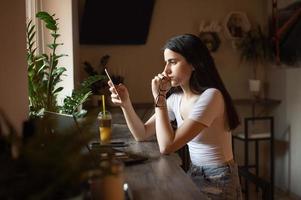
[(217, 181)]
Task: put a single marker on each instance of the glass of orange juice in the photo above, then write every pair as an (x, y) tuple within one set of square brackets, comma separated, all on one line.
[(105, 127)]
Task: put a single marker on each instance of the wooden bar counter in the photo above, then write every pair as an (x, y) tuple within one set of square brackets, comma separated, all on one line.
[(160, 176)]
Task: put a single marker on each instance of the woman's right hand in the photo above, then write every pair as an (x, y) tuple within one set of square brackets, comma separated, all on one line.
[(121, 96)]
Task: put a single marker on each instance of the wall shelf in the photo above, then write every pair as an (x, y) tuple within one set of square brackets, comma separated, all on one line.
[(262, 103)]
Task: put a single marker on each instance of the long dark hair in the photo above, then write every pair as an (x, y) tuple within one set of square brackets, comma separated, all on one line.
[(205, 74)]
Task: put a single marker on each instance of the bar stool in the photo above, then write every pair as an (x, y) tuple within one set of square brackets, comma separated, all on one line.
[(248, 137)]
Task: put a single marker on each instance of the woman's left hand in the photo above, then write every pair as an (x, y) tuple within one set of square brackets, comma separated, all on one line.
[(161, 84)]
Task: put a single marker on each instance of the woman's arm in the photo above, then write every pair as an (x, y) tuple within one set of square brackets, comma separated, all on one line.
[(168, 140), (139, 130)]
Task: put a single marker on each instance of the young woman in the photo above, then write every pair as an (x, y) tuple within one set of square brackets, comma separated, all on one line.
[(203, 110)]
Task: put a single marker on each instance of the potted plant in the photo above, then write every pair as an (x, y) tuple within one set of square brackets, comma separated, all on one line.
[(101, 87), (255, 49), (73, 103), (44, 73), (47, 165)]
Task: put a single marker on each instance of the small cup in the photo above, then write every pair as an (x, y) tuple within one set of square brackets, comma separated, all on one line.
[(106, 183), (105, 127)]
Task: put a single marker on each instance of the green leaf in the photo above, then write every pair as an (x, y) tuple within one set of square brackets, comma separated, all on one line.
[(32, 36), (48, 19), (42, 14), (30, 69), (39, 65), (56, 80), (51, 26), (58, 71), (92, 79), (34, 50), (57, 90), (55, 35), (28, 25), (42, 68), (31, 29), (52, 46), (40, 58), (59, 56), (30, 45), (55, 62)]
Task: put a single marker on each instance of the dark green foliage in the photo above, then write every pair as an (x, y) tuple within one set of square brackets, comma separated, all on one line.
[(43, 71), (98, 86), (44, 74), (79, 96), (49, 166), (255, 48)]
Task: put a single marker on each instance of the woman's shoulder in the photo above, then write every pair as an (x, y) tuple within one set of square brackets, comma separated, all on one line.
[(212, 92), (211, 95)]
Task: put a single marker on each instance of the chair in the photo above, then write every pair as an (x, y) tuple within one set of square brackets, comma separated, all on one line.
[(248, 137), (264, 185)]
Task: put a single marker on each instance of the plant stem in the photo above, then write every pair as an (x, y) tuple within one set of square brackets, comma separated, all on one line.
[(50, 80)]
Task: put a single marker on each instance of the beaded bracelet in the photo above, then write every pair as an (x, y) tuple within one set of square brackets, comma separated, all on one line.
[(157, 100)]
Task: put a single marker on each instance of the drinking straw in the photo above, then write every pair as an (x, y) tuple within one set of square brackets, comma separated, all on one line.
[(103, 104)]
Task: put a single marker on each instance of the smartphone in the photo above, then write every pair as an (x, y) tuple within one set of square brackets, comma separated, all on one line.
[(112, 82), (111, 144)]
